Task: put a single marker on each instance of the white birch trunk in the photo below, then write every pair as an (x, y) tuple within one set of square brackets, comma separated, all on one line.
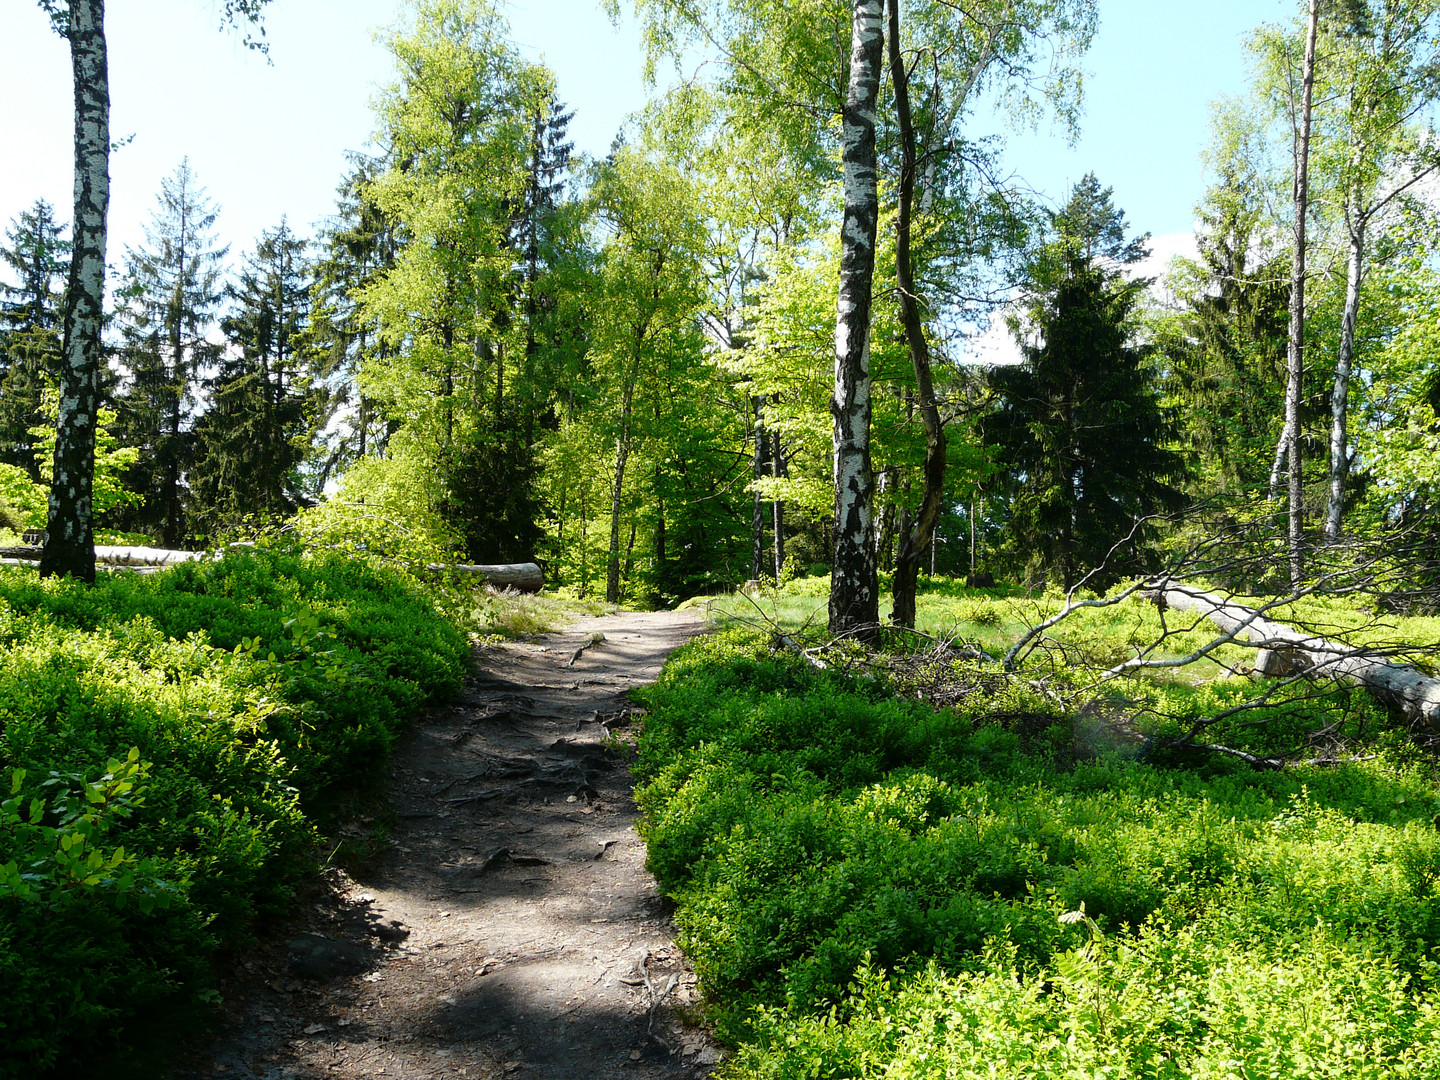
[(1287, 650), (854, 585), (69, 534), (1340, 391), (1295, 354)]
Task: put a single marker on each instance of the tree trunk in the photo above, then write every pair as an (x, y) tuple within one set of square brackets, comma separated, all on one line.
[(622, 455), (777, 507), (532, 273), (1282, 453), (499, 385), (170, 523), (69, 534), (757, 516), (630, 551), (660, 553), (1295, 354), (584, 545), (918, 533), (854, 585), (1289, 650), (526, 577), (1340, 392)]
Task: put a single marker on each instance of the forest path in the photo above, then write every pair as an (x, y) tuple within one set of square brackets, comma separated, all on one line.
[(510, 929)]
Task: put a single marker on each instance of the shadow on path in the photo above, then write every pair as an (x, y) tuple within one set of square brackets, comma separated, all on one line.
[(510, 928)]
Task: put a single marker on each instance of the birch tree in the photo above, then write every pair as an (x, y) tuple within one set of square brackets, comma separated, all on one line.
[(69, 534), (1385, 71), (1300, 114), (854, 584)]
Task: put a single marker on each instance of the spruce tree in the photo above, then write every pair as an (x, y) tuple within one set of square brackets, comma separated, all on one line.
[(359, 248), (1080, 424), (252, 438), (31, 318), (172, 293)]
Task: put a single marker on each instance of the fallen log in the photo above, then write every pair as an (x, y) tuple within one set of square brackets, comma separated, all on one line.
[(110, 555), (526, 576), (1283, 650)]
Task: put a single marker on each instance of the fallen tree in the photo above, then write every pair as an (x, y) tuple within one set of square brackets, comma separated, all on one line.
[(525, 577), (110, 555), (1285, 651)]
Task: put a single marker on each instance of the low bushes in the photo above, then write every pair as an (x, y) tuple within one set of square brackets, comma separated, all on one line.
[(252, 689), (871, 887)]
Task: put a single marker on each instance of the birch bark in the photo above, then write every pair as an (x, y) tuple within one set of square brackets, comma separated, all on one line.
[(1295, 353), (1344, 362), (69, 535), (854, 585)]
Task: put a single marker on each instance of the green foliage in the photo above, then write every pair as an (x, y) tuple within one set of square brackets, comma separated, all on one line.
[(1080, 423), (253, 437), (111, 459), (22, 497), (223, 706), (871, 887)]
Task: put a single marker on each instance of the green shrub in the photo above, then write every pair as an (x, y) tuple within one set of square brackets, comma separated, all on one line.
[(811, 829), (254, 689)]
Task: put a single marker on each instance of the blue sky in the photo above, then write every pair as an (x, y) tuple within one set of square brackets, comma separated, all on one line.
[(268, 140)]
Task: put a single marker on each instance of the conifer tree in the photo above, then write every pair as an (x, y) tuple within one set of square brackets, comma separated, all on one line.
[(30, 324), (359, 246), (253, 437), (1080, 424), (173, 292)]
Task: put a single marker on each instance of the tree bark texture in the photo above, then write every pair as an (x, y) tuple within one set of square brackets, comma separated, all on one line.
[(1289, 650), (1295, 353), (1344, 364), (69, 535), (854, 584), (919, 529)]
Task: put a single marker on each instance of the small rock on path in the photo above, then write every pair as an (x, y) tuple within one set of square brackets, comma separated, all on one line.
[(511, 928)]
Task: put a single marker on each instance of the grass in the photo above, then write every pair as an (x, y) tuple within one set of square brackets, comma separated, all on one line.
[(512, 615)]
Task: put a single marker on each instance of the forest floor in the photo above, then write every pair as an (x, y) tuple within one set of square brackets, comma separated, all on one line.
[(507, 926)]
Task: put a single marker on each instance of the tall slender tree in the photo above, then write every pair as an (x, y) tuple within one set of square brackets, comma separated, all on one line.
[(1383, 71), (1301, 112), (69, 534), (854, 582)]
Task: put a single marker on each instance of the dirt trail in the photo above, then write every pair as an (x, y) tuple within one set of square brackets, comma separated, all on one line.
[(511, 927)]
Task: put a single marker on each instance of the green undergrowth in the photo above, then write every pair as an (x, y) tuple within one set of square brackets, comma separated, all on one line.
[(170, 743), (872, 887), (1091, 638)]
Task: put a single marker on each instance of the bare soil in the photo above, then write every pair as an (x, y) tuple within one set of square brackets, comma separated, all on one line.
[(508, 927)]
